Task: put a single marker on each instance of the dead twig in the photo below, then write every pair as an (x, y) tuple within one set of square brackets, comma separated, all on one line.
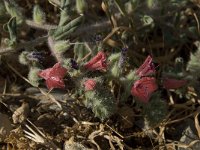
[(38, 136)]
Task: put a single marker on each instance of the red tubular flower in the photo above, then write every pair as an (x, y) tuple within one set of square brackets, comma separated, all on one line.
[(143, 88), (173, 83), (98, 62), (89, 84), (147, 68), (54, 76)]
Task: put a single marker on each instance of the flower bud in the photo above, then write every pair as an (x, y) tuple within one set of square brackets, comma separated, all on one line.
[(115, 71), (23, 58), (81, 6), (131, 76), (89, 84), (33, 76), (39, 15), (113, 58)]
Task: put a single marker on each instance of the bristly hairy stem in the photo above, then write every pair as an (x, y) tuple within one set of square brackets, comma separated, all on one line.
[(80, 31), (55, 2), (19, 46), (47, 27), (103, 25)]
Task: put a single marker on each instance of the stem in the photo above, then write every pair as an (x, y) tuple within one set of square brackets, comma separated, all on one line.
[(19, 46), (80, 31), (83, 30), (55, 2), (40, 26), (103, 25)]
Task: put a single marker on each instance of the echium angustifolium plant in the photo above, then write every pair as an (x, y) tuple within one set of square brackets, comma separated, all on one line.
[(94, 71), (56, 37), (146, 90)]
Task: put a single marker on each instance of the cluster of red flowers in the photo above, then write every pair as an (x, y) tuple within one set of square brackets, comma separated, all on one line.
[(54, 76), (142, 88), (146, 86), (98, 62)]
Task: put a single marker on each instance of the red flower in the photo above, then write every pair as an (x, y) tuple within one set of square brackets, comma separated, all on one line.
[(146, 68), (173, 83), (89, 84), (143, 88), (98, 62), (54, 76)]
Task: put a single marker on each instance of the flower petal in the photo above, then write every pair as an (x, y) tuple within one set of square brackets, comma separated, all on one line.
[(55, 83), (54, 76), (58, 71), (173, 83), (45, 73), (143, 88), (146, 68), (98, 62), (100, 65)]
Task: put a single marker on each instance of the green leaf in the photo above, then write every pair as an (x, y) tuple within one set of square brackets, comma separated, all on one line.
[(80, 51), (65, 34), (101, 101), (12, 29), (62, 31), (14, 10), (156, 110), (65, 12)]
